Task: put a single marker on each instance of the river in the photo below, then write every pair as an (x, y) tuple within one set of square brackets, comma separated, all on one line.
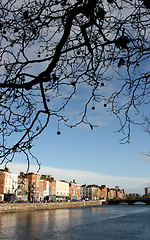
[(120, 222)]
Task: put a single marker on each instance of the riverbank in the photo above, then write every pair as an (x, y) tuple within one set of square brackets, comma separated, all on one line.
[(18, 207)]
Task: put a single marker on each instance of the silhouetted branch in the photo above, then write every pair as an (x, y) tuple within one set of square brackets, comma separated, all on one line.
[(49, 50)]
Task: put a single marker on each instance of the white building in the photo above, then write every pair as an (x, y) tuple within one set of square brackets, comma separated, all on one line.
[(62, 190), (11, 183), (84, 192), (94, 192)]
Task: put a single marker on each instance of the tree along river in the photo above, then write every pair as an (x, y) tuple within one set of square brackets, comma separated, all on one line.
[(120, 222)]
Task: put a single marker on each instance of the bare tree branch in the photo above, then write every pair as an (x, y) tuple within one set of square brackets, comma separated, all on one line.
[(49, 49)]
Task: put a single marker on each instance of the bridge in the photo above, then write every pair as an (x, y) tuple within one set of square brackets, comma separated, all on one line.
[(129, 201)]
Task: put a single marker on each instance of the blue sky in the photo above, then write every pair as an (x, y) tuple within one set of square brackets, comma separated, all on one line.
[(92, 156)]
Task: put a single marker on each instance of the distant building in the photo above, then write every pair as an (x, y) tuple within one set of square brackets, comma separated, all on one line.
[(120, 193), (62, 190), (22, 190), (147, 191), (94, 192), (37, 188), (52, 190), (74, 191), (46, 190), (43, 190), (2, 182), (84, 192), (8, 185), (33, 187), (2, 185), (111, 193), (103, 192), (8, 182), (46, 177)]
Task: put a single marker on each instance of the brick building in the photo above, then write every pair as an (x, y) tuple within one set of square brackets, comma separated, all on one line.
[(33, 187), (22, 190)]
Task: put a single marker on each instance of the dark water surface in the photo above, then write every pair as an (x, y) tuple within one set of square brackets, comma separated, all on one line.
[(120, 222)]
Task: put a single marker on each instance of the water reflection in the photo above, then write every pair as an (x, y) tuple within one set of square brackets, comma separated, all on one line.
[(29, 224), (66, 224)]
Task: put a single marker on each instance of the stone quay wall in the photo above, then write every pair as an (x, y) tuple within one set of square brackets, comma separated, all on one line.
[(18, 207)]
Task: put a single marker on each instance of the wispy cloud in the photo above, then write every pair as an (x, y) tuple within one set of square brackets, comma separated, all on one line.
[(145, 157), (130, 184)]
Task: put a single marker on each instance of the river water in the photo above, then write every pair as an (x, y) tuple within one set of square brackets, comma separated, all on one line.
[(120, 222)]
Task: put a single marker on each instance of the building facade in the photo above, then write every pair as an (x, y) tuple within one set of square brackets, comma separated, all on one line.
[(52, 190), (9, 182), (74, 191), (33, 186), (94, 192), (120, 193), (2, 182), (62, 190), (103, 192), (43, 190), (111, 193), (84, 192), (147, 191), (22, 190)]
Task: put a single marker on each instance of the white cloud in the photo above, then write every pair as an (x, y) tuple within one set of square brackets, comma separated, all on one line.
[(130, 184)]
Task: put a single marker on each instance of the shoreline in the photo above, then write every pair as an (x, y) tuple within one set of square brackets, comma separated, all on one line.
[(21, 207)]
